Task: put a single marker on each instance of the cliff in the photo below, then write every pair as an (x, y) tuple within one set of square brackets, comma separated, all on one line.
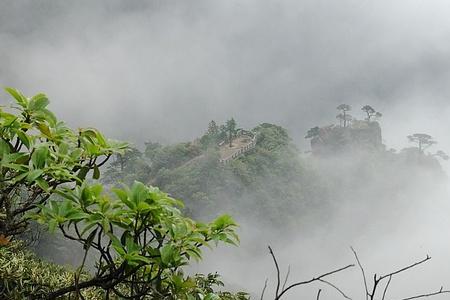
[(360, 135)]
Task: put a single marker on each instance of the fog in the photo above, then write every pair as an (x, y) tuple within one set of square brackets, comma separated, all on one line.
[(392, 217), (160, 70), (172, 65)]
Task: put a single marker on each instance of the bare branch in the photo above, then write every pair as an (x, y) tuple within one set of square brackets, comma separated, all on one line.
[(377, 280), (318, 294), (386, 287), (286, 278), (278, 272), (336, 288), (406, 268), (264, 289), (441, 291), (362, 271), (313, 279)]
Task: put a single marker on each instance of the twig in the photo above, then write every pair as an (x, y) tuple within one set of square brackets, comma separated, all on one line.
[(386, 287), (362, 271), (264, 289), (406, 268), (278, 272), (427, 295), (336, 288), (318, 294), (286, 278), (313, 279)]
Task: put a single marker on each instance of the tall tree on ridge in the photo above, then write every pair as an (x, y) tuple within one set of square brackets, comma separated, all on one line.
[(422, 140), (344, 117), (371, 112), (231, 129)]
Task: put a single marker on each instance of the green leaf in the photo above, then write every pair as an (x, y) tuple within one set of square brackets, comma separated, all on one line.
[(211, 296), (23, 138), (167, 254), (96, 189), (89, 239), (82, 173), (33, 175), (52, 225), (123, 196), (63, 148), (223, 221), (131, 245), (101, 139), (96, 174), (20, 99), (76, 215), (117, 245), (39, 157), (38, 102), (4, 147), (195, 253), (139, 192), (19, 178), (136, 259), (42, 184), (144, 207), (45, 130), (88, 226), (76, 154), (49, 116)]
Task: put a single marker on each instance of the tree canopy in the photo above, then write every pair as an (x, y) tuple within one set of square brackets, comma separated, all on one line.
[(422, 140), (39, 154), (371, 113), (343, 117)]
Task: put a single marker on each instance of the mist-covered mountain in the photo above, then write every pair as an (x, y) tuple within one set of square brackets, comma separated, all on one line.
[(275, 183)]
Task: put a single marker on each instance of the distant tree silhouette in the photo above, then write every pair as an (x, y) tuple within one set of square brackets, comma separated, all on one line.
[(371, 113), (231, 129), (344, 118), (213, 129), (213, 135), (422, 140), (312, 132), (442, 155)]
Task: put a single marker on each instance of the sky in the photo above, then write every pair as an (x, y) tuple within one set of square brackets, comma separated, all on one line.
[(160, 70)]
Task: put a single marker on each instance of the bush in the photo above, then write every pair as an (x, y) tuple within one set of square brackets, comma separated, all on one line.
[(23, 275)]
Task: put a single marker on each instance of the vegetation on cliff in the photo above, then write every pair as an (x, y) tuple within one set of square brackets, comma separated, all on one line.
[(274, 182)]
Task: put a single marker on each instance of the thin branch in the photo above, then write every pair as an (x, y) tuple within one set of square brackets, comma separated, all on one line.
[(362, 271), (336, 288), (264, 289), (104, 161), (286, 278), (441, 291), (386, 287), (313, 279), (406, 268), (318, 294), (278, 272)]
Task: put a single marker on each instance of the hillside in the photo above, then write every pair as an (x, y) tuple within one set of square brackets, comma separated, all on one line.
[(263, 180), (272, 182)]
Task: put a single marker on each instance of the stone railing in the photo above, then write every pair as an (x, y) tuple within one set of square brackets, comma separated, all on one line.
[(239, 151)]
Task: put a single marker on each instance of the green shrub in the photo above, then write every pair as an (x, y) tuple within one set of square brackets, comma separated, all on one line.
[(23, 274)]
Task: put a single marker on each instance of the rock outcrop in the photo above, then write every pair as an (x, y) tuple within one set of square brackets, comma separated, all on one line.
[(360, 135)]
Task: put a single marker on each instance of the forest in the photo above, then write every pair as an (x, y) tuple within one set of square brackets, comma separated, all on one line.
[(131, 222)]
